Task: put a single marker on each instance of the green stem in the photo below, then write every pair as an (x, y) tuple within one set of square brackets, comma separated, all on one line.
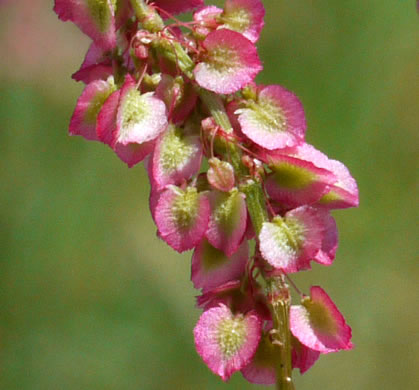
[(255, 204), (216, 107), (175, 53), (280, 305), (278, 293)]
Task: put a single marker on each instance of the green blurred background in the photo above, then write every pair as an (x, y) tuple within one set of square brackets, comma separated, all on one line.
[(91, 299)]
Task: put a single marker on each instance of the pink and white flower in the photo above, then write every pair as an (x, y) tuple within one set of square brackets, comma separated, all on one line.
[(211, 268), (176, 158), (228, 220), (182, 217), (318, 324), (229, 63), (206, 19), (289, 243), (275, 120), (344, 192), (91, 101), (140, 118), (129, 122), (244, 16), (96, 18), (96, 66), (226, 341), (295, 182)]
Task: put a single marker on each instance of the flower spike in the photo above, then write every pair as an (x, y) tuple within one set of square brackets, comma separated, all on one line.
[(227, 163)]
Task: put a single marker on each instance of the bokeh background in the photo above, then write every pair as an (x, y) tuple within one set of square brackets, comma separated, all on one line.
[(91, 299)]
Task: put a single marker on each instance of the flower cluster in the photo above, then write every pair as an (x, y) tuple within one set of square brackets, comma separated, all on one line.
[(228, 164)]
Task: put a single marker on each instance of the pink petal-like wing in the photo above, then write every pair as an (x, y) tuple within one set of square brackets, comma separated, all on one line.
[(208, 333), (327, 252), (182, 217), (106, 121), (211, 267), (84, 119), (245, 17), (261, 370), (180, 97), (95, 18), (132, 154), (302, 356), (230, 63), (290, 243), (276, 120), (319, 325), (141, 117), (344, 192), (175, 7), (228, 220), (96, 66), (295, 182), (176, 158)]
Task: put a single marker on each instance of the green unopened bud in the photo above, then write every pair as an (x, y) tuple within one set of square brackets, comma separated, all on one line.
[(148, 17), (151, 81), (175, 53), (249, 92)]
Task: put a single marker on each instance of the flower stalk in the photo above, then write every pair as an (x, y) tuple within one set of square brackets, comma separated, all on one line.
[(280, 304)]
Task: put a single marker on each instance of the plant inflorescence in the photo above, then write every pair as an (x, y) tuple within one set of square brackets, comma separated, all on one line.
[(175, 94)]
